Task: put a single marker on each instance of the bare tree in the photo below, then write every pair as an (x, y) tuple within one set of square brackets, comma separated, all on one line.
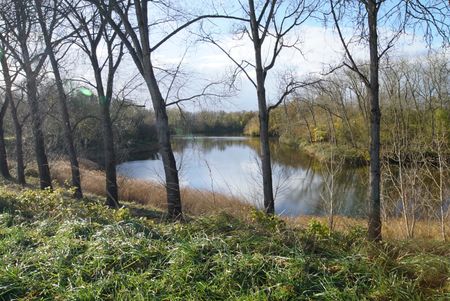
[(396, 16), (23, 43), (18, 123), (270, 24), (332, 168), (51, 17), (437, 97), (9, 80), (92, 32), (439, 182), (134, 30), (405, 179), (137, 40), (4, 170)]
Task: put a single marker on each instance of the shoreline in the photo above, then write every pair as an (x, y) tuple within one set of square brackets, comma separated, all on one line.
[(197, 203)]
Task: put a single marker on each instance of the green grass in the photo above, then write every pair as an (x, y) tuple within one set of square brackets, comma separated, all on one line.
[(55, 248)]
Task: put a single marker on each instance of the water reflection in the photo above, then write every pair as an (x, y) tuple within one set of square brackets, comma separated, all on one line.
[(230, 165)]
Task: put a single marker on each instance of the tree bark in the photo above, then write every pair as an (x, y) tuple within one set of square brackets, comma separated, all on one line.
[(174, 208), (374, 231), (27, 65), (4, 170), (94, 34), (266, 166), (19, 146), (67, 129), (136, 38), (45, 180), (112, 198)]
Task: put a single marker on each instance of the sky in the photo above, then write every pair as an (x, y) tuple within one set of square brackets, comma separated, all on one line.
[(319, 49)]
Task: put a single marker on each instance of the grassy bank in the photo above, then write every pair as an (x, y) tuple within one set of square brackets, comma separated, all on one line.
[(56, 248)]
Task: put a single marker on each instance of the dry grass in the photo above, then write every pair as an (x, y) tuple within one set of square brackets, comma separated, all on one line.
[(393, 228), (148, 193), (199, 203)]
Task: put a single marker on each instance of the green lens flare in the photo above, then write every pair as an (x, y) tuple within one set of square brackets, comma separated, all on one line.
[(86, 91), (102, 100)]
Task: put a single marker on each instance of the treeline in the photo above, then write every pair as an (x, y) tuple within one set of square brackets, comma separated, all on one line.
[(209, 122), (133, 126), (414, 101)]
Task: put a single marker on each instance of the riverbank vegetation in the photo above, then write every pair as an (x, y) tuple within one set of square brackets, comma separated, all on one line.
[(335, 115), (198, 203), (107, 237), (53, 247)]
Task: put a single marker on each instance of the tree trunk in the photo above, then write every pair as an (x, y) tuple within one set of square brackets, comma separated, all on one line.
[(16, 123), (374, 231), (68, 136), (112, 190), (67, 130), (112, 199), (62, 101), (45, 180), (19, 147), (174, 207), (4, 170), (442, 200), (266, 166)]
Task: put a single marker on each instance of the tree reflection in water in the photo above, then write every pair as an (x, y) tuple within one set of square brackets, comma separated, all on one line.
[(230, 165)]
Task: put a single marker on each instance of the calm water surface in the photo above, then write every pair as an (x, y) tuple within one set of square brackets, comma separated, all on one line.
[(230, 165)]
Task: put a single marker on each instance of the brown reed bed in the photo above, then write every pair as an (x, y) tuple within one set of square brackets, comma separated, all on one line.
[(149, 193)]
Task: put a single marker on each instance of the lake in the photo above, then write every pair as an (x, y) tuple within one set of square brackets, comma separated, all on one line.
[(230, 165)]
